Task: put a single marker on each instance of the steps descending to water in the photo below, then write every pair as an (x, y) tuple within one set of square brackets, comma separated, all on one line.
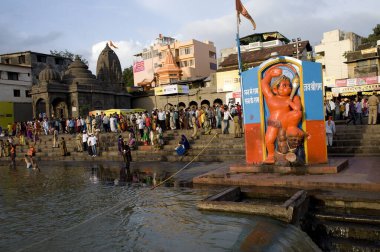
[(356, 140), (221, 148), (345, 221)]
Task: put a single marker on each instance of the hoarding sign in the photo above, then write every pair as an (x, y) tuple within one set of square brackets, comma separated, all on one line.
[(171, 89)]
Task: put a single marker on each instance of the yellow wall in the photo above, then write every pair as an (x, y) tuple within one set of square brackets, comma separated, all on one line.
[(6, 114), (228, 81)]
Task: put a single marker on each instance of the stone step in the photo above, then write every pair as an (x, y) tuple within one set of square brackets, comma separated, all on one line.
[(210, 146), (360, 136), (354, 154), (356, 142), (354, 149), (341, 244), (350, 231), (205, 158)]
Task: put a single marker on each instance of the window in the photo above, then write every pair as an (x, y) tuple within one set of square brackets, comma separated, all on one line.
[(41, 58), (373, 62), (58, 61), (27, 93), (186, 50), (187, 63), (21, 59), (147, 55), (6, 61), (16, 93), (183, 63), (213, 66), (212, 54), (12, 76)]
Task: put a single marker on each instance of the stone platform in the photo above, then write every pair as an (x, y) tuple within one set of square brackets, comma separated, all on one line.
[(333, 166), (362, 174)]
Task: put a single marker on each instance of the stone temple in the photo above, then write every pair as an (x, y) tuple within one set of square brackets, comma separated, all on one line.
[(79, 91)]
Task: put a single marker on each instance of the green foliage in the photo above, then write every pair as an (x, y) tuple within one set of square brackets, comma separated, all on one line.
[(345, 54), (374, 37), (128, 76), (67, 54)]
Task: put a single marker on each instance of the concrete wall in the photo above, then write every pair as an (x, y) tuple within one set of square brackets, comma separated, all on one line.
[(150, 102), (203, 59), (23, 83), (22, 112), (6, 114), (228, 81)]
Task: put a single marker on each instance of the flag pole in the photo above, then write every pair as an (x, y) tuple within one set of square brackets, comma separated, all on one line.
[(239, 63), (238, 44)]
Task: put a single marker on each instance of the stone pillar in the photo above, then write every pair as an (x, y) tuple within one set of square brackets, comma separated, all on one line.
[(47, 105), (34, 107)]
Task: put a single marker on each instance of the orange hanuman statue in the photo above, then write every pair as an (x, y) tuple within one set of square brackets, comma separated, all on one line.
[(285, 111)]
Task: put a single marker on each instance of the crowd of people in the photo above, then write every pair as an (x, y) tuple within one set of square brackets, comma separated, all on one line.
[(353, 110), (350, 110), (142, 128)]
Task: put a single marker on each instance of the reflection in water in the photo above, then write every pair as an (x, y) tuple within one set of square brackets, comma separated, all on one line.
[(124, 175), (74, 206)]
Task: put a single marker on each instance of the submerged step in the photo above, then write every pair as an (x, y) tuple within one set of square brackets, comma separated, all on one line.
[(287, 209), (341, 244), (353, 231)]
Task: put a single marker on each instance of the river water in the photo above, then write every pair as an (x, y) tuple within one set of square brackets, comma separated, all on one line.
[(84, 207)]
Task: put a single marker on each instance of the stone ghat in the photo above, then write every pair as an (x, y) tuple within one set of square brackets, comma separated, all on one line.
[(222, 148)]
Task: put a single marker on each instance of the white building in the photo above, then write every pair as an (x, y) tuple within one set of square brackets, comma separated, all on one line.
[(331, 53), (15, 98)]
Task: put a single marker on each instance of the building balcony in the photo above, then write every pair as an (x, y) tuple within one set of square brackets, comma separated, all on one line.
[(366, 71)]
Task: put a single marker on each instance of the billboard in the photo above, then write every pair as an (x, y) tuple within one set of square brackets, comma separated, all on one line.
[(171, 89)]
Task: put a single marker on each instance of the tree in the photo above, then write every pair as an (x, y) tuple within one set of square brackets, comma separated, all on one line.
[(374, 37), (67, 54), (128, 76)]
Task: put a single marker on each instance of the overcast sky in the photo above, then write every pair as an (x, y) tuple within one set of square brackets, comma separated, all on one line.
[(84, 26)]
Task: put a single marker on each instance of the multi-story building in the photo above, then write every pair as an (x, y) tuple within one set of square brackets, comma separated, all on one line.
[(193, 58), (15, 98), (36, 62), (20, 71), (332, 52), (363, 72)]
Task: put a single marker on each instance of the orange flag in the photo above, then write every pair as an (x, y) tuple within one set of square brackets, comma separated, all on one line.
[(112, 44), (243, 11)]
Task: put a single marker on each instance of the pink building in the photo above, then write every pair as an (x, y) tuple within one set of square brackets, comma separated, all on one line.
[(192, 59)]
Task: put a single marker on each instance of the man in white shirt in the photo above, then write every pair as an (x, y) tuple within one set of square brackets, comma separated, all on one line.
[(93, 145), (106, 123), (161, 119), (84, 140)]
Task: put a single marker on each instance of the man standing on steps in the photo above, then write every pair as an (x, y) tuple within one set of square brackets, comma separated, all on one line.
[(195, 127), (373, 103), (161, 119), (330, 131), (359, 110)]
